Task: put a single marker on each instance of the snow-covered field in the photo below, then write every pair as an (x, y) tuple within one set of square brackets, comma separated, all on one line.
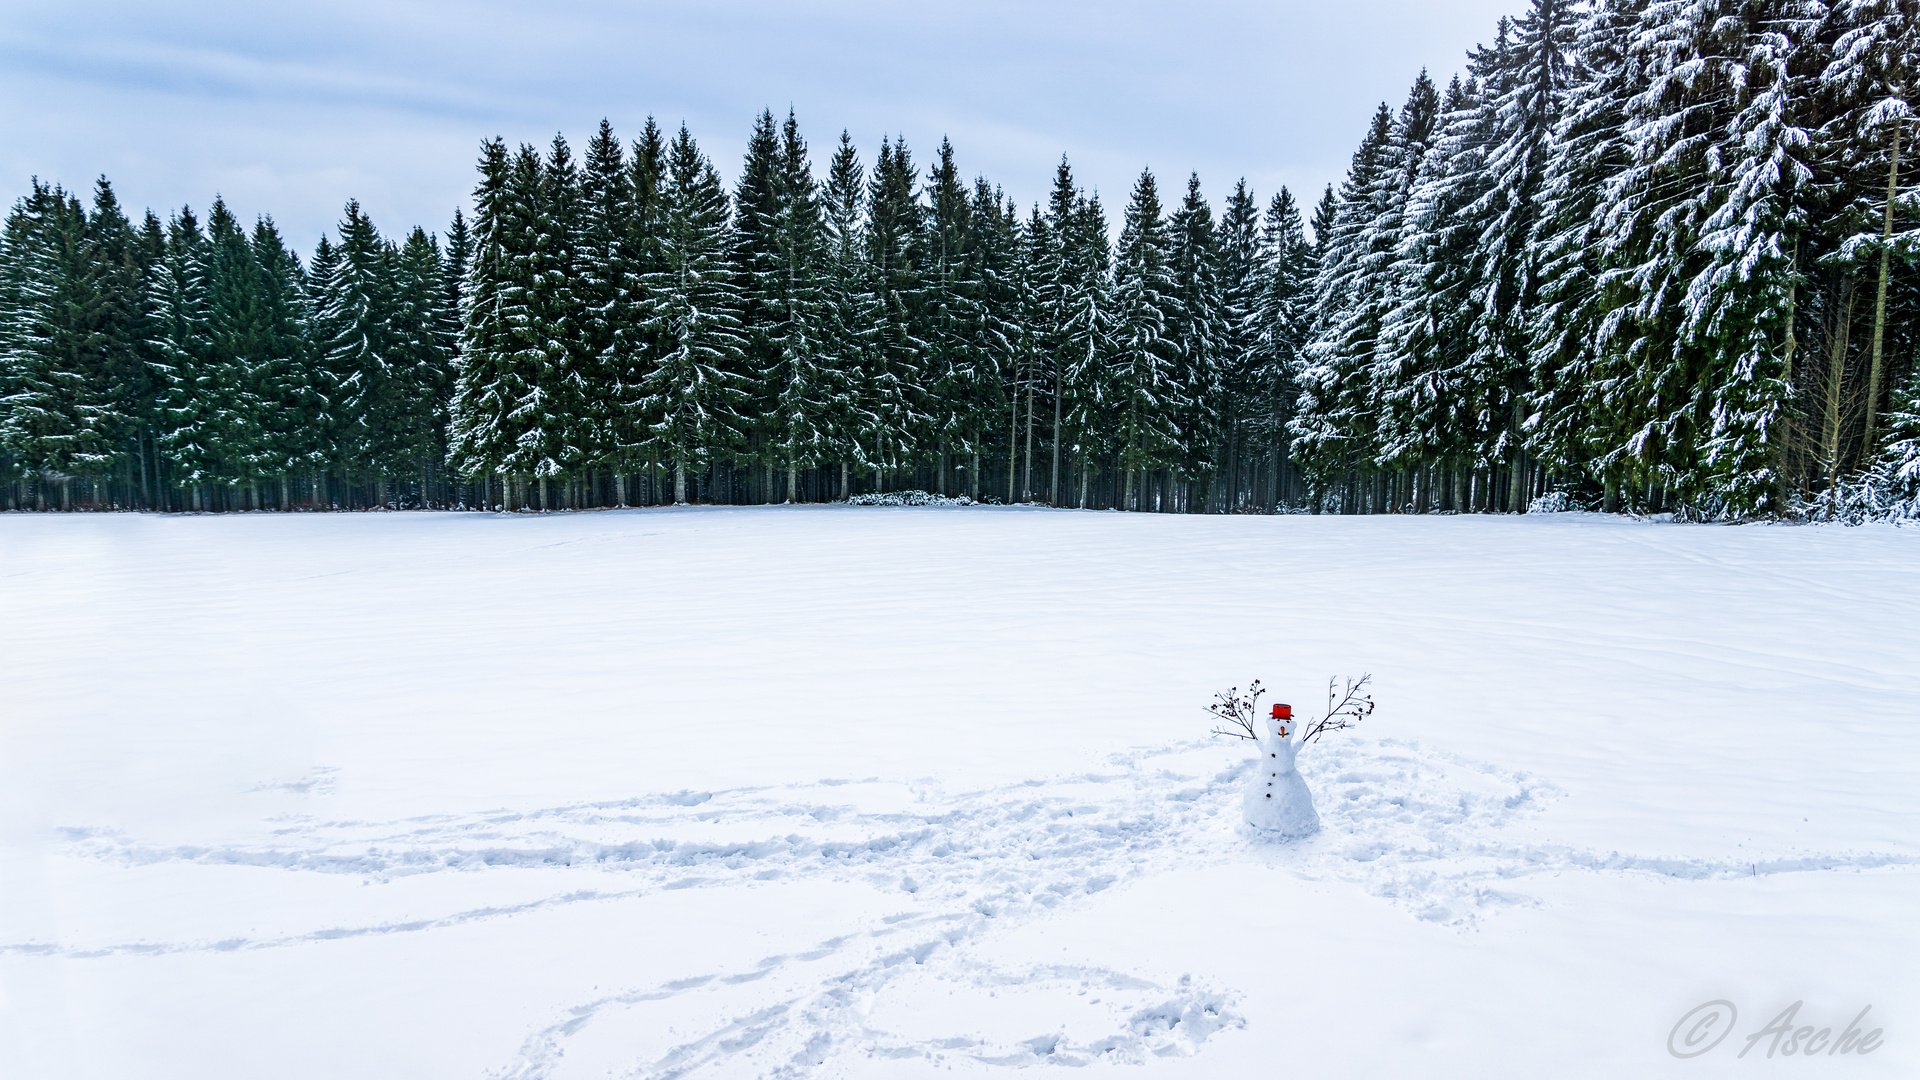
[(868, 792)]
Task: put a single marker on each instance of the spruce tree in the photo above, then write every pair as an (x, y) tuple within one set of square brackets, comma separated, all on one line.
[(809, 391), (1876, 70), (1146, 390), (284, 379), (854, 310), (1579, 374), (239, 374), (488, 386), (326, 392), (58, 421), (992, 271), (558, 334), (1242, 260), (952, 366), (424, 338), (607, 311), (191, 398), (1200, 331), (756, 212), (692, 398), (1333, 430), (633, 445), (1087, 342), (895, 252), (1525, 96), (357, 338)]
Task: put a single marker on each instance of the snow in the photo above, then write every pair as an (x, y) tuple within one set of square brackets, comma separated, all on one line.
[(897, 792)]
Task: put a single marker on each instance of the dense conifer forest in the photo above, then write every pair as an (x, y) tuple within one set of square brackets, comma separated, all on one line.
[(1651, 255)]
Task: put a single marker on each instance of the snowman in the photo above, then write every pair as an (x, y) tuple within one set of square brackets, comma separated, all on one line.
[(1277, 800)]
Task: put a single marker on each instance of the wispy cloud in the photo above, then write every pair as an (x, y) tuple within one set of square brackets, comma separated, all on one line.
[(292, 107)]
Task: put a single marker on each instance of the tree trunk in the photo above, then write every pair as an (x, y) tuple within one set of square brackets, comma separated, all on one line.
[(1880, 299), (1053, 485), (1013, 442), (679, 483), (1026, 476), (1836, 380)]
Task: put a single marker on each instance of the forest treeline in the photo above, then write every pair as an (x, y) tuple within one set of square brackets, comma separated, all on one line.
[(1651, 254)]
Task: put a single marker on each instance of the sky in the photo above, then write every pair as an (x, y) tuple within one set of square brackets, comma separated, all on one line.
[(289, 108)]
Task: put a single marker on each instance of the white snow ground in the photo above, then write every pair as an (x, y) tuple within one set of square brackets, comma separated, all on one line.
[(839, 792)]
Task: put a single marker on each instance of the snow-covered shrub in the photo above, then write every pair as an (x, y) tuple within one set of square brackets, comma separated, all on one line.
[(909, 498), (1553, 502), (1277, 800)]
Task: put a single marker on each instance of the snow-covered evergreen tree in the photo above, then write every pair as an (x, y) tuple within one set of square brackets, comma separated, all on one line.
[(357, 340), (809, 390), (284, 379), (420, 363), (488, 386), (1875, 68), (854, 311), (606, 313), (59, 419), (895, 250), (190, 402), (691, 399), (1332, 427), (1200, 334), (1146, 391)]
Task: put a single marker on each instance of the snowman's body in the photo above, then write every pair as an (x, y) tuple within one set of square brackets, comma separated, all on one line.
[(1277, 799)]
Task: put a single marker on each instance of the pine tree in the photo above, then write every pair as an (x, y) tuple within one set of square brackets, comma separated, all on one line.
[(1523, 105), (1146, 389), (692, 399), (424, 338), (1431, 413), (632, 441), (488, 386), (126, 375), (1876, 66), (809, 390), (191, 398), (952, 366), (356, 335), (756, 210), (325, 419), (1333, 431), (992, 270), (895, 252), (1087, 339), (607, 311), (1578, 375), (529, 346), (1200, 333), (1701, 293), (1281, 323), (557, 334), (284, 379), (240, 374), (854, 310), (58, 420)]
